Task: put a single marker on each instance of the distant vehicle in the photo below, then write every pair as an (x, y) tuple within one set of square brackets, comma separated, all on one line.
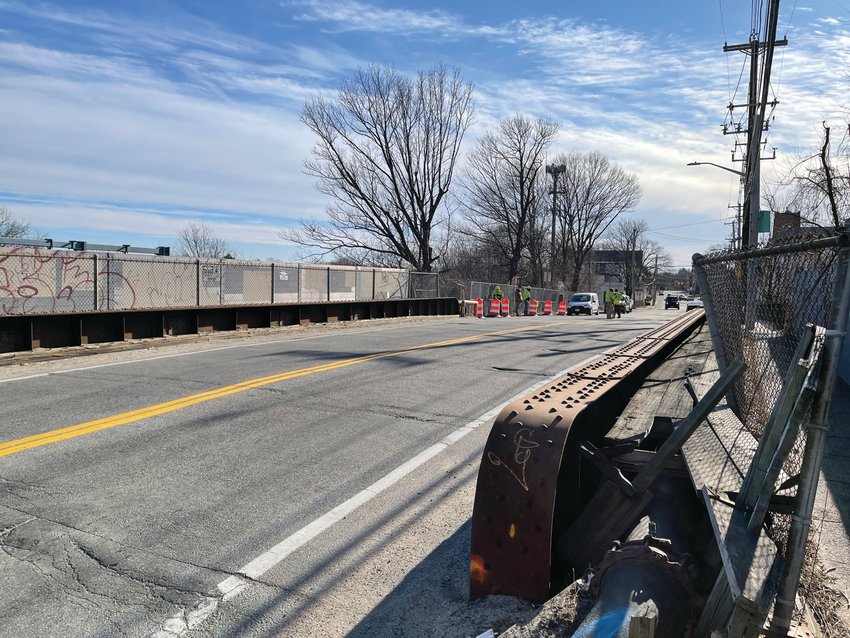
[(672, 301), (583, 302), (693, 304), (628, 304)]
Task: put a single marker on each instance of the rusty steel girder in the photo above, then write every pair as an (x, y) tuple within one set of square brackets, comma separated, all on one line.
[(529, 483)]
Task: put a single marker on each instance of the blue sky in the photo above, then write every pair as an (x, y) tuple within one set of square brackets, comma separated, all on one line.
[(120, 121)]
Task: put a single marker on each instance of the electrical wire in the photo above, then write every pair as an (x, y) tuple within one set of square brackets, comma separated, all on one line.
[(710, 221), (666, 236)]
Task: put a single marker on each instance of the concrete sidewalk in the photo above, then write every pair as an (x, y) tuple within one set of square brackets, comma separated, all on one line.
[(832, 510)]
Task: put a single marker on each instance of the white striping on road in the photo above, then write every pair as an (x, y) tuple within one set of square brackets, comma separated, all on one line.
[(232, 586)]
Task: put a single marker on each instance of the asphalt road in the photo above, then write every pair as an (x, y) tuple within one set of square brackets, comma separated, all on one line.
[(317, 486)]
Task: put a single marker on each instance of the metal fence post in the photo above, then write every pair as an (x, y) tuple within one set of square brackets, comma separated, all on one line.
[(94, 279), (197, 282), (816, 431), (374, 280), (220, 282), (271, 298), (298, 278), (710, 315), (329, 283), (108, 281)]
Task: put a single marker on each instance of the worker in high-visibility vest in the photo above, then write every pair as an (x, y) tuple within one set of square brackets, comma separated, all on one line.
[(497, 292), (618, 302), (609, 303), (526, 297)]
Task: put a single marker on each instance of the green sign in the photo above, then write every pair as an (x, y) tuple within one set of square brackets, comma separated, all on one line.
[(764, 221)]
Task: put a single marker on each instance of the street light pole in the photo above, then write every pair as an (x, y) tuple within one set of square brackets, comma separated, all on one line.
[(554, 170), (725, 168), (740, 174)]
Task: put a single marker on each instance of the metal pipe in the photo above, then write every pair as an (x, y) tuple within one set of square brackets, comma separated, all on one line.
[(841, 239), (815, 443)]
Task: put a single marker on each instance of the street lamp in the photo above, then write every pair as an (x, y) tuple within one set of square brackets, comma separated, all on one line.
[(725, 168), (554, 170)]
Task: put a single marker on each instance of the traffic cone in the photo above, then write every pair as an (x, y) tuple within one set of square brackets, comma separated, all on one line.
[(532, 307), (479, 308), (495, 308), (547, 307), (562, 307), (506, 307)]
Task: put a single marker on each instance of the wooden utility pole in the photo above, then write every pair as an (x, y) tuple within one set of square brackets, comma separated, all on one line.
[(756, 108)]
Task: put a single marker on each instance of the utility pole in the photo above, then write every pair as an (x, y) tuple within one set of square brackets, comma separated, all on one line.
[(655, 282), (634, 274), (735, 241), (756, 107), (554, 170)]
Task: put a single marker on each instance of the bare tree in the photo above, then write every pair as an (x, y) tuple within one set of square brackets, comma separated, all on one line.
[(502, 184), (817, 185), (387, 150), (197, 239), (595, 192), (629, 236), (11, 227)]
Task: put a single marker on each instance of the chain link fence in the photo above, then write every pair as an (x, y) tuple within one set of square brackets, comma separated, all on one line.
[(36, 281), (758, 303), (484, 290), (761, 304)]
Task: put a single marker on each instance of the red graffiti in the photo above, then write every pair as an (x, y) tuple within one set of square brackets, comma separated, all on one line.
[(34, 281)]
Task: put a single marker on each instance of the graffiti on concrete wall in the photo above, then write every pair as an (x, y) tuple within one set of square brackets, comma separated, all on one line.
[(37, 281), (44, 282)]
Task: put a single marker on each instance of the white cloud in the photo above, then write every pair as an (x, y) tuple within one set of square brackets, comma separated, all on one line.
[(198, 119)]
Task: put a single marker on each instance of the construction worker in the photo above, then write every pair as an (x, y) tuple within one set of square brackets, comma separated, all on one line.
[(497, 292), (609, 303), (526, 297), (618, 302), (517, 300)]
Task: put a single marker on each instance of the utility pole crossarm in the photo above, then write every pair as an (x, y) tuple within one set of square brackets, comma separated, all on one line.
[(746, 47)]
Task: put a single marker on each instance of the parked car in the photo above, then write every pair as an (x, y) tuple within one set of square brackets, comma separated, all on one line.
[(583, 302), (693, 304), (671, 301)]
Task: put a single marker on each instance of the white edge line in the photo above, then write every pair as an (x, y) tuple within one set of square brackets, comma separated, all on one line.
[(232, 586), (266, 561)]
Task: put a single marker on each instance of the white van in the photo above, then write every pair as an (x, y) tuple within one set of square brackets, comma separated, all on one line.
[(583, 302)]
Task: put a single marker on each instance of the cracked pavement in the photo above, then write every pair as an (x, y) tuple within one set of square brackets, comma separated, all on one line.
[(131, 530)]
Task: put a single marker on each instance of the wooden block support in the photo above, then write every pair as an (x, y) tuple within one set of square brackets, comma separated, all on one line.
[(642, 623)]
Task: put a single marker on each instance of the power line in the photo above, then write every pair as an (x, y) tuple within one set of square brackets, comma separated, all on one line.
[(666, 236), (710, 221)]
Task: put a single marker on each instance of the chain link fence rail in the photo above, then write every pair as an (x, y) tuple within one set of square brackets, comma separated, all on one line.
[(35, 281)]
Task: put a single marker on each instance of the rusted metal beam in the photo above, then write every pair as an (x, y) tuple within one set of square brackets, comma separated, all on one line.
[(529, 482)]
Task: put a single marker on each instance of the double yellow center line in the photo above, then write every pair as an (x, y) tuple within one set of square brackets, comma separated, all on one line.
[(73, 431)]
